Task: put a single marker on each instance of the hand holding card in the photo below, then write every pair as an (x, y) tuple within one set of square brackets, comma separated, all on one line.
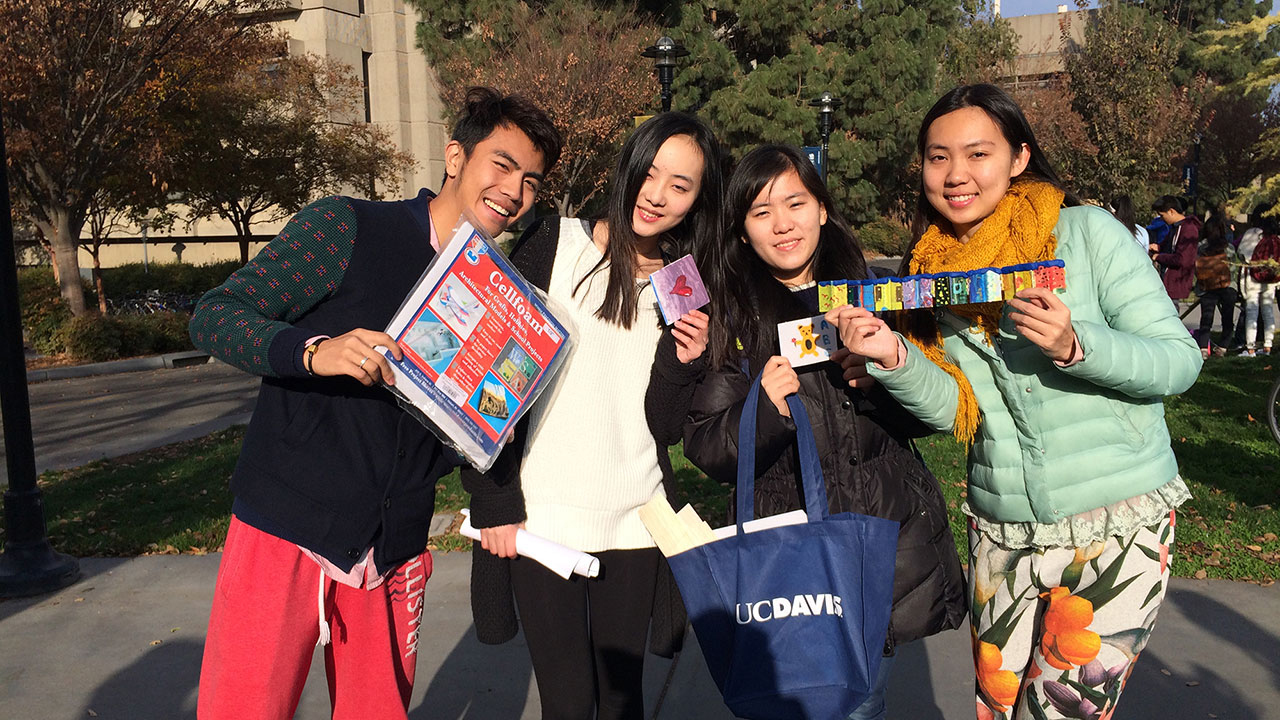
[(691, 333)]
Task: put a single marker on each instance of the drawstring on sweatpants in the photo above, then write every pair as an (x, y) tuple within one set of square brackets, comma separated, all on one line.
[(325, 636)]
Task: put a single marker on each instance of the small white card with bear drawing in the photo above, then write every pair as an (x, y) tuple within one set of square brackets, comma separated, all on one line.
[(807, 340)]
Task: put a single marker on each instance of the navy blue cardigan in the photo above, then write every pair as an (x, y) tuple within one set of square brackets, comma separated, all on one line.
[(328, 463)]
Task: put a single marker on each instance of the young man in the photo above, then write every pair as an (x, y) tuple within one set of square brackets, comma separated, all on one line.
[(335, 485), (1176, 253)]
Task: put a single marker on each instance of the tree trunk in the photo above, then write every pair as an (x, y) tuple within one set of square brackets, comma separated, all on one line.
[(53, 261), (243, 230), (67, 259), (46, 233), (95, 252)]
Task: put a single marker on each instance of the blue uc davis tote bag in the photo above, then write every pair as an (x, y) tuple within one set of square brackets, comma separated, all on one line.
[(791, 620)]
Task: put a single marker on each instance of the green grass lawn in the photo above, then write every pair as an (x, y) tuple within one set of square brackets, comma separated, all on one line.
[(1226, 456), (1232, 465), (169, 500), (175, 499)]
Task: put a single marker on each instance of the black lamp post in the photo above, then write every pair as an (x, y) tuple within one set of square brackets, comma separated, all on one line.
[(826, 104), (1195, 173), (28, 564), (664, 54)]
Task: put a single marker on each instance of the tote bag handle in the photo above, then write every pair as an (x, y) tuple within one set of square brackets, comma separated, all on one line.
[(815, 488)]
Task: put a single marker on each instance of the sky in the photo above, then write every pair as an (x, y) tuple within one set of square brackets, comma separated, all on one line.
[(1011, 8)]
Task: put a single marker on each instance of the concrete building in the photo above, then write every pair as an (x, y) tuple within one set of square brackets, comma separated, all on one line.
[(1042, 42), (378, 39)]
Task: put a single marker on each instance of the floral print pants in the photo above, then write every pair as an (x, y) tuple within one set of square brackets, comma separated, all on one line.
[(1056, 631)]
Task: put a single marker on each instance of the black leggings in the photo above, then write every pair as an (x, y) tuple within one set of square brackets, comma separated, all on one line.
[(587, 637), (1224, 299)]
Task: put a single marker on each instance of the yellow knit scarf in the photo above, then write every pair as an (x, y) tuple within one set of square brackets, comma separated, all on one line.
[(1020, 230)]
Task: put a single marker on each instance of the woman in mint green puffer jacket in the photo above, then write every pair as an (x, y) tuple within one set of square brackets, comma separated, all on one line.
[(1056, 441), (1073, 484)]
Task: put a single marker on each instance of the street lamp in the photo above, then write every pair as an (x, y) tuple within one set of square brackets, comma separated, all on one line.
[(28, 564), (826, 104), (664, 54)]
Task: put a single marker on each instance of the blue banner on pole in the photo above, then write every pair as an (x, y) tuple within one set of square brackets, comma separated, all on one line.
[(815, 156)]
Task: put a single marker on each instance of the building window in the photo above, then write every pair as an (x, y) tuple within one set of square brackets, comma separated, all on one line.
[(364, 80)]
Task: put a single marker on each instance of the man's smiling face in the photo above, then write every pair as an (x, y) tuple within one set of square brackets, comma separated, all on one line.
[(499, 179)]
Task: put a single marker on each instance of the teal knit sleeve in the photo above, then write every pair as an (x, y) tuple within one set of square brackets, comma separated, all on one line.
[(245, 321), (922, 388), (1143, 350)]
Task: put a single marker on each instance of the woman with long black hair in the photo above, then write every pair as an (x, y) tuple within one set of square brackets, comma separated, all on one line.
[(583, 463), (1122, 208)]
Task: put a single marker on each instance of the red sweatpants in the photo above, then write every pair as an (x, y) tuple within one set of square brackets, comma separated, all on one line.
[(264, 626)]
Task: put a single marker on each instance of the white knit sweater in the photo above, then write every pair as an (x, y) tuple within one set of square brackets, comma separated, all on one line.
[(590, 462)]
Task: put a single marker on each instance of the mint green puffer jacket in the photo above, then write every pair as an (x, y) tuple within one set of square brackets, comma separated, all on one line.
[(1055, 441)]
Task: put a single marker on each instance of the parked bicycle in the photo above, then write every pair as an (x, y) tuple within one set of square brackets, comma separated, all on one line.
[(150, 303)]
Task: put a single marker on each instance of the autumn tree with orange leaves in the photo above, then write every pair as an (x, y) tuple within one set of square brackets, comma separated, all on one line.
[(1062, 132), (264, 143), (580, 63), (1139, 120), (81, 87)]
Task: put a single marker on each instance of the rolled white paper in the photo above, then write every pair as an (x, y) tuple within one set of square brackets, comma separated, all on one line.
[(557, 558)]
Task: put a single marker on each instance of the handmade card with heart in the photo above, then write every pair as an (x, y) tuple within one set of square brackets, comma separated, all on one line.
[(679, 289)]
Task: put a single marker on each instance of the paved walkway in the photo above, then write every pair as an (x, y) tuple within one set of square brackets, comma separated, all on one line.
[(125, 643), (76, 420)]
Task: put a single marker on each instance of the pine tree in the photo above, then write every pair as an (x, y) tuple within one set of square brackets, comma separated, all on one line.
[(1199, 22), (761, 61), (1261, 189), (754, 65)]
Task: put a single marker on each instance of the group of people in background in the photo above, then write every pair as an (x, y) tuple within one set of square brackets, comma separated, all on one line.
[(1056, 397), (1225, 263), (1259, 246)]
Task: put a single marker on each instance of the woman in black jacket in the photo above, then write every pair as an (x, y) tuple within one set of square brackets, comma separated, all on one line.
[(786, 234)]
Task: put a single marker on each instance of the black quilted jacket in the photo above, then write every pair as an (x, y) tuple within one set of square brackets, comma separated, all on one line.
[(868, 464)]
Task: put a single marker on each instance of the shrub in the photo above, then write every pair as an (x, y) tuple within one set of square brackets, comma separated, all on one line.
[(884, 236), (93, 337), (131, 280), (167, 332), (107, 337), (46, 318), (43, 310)]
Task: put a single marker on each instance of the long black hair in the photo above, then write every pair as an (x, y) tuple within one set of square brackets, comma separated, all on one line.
[(748, 300), (1213, 234), (1007, 115), (1122, 208), (699, 229)]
